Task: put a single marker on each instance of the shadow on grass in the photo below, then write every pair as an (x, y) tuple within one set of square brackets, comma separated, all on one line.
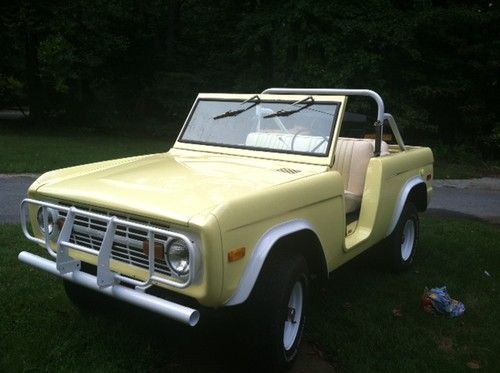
[(353, 317), (214, 345)]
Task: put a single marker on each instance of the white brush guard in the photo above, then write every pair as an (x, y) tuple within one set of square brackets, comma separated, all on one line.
[(107, 281)]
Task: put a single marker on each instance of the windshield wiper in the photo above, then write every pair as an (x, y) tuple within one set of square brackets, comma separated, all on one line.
[(233, 113), (308, 101)]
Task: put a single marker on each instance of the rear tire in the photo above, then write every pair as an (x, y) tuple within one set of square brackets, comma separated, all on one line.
[(276, 310), (402, 242)]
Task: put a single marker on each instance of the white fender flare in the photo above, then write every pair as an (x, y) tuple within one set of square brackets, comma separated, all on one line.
[(260, 254), (403, 196)]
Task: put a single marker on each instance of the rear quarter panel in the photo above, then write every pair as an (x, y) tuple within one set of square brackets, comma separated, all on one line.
[(385, 180)]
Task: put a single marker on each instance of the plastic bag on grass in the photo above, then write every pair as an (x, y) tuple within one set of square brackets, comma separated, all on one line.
[(438, 300)]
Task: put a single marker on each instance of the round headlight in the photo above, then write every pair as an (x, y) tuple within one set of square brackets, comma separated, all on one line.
[(51, 220), (177, 256)]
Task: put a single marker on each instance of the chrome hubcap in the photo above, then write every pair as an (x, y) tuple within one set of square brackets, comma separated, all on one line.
[(294, 315), (291, 315)]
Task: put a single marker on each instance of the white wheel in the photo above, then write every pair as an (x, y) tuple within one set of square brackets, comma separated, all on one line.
[(276, 311), (294, 315), (402, 242), (408, 239)]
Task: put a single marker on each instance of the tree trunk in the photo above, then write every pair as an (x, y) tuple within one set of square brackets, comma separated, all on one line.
[(33, 82)]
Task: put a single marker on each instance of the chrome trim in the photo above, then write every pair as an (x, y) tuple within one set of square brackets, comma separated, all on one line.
[(138, 298), (106, 277)]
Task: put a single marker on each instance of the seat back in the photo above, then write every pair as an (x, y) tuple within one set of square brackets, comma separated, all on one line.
[(351, 160), (351, 155), (284, 141)]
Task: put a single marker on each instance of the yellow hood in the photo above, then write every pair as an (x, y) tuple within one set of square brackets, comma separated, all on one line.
[(167, 187)]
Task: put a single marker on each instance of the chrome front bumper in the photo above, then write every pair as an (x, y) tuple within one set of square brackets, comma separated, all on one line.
[(107, 281), (164, 307)]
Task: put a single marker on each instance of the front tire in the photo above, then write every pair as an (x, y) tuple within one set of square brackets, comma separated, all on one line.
[(276, 310), (403, 240)]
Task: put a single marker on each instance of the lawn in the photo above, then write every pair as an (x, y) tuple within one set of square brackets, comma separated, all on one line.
[(25, 152), (355, 320), (351, 318)]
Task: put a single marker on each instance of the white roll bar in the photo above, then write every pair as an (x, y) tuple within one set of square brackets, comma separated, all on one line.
[(381, 115)]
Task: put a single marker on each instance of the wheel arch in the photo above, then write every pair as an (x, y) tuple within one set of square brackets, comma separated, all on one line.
[(291, 236), (306, 243), (414, 190), (418, 195)]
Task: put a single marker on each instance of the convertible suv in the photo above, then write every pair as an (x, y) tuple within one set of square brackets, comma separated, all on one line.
[(260, 195)]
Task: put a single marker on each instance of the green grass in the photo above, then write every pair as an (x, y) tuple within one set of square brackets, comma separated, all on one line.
[(467, 169), (25, 153), (351, 319), (462, 162), (40, 330), (354, 319)]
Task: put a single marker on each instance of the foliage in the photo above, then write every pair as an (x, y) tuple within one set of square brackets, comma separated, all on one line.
[(436, 62)]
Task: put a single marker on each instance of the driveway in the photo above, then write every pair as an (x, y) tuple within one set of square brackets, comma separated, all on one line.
[(12, 191), (477, 198)]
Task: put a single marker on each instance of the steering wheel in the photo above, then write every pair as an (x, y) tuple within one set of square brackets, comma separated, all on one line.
[(292, 143), (325, 139)]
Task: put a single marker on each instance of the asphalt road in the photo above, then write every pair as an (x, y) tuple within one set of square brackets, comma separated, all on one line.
[(12, 191), (478, 198)]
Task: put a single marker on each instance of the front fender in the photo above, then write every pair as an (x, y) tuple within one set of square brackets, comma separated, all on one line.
[(260, 254)]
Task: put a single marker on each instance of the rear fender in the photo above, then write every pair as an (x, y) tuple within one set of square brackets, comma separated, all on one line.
[(402, 198)]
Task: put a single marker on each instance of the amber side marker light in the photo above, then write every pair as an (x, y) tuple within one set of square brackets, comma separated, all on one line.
[(158, 249), (60, 223), (236, 254)]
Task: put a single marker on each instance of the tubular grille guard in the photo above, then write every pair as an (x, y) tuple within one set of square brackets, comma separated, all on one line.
[(110, 236)]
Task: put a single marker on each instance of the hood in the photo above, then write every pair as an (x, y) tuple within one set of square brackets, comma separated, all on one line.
[(168, 187)]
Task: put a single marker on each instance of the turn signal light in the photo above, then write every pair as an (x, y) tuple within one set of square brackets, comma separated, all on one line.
[(60, 223), (158, 249), (236, 254)]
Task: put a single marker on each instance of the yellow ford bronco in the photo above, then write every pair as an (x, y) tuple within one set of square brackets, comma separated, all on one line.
[(260, 195)]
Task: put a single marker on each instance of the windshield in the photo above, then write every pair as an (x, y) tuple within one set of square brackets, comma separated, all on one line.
[(299, 127)]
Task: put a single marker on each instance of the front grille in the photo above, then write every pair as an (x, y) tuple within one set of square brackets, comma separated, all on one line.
[(127, 243)]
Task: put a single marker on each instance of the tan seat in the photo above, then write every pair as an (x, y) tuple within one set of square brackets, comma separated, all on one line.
[(351, 160), (351, 157)]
